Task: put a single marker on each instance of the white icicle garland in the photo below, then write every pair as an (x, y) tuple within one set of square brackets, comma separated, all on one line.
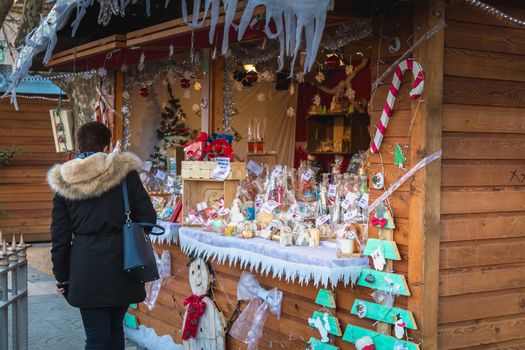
[(264, 264), (171, 233)]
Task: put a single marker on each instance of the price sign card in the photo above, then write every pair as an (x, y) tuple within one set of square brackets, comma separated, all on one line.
[(222, 169)]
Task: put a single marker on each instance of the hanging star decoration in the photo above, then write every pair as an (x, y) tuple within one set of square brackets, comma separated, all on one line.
[(290, 112), (265, 76), (261, 97), (349, 69), (299, 77), (350, 94), (197, 86), (292, 89), (319, 77), (316, 100)]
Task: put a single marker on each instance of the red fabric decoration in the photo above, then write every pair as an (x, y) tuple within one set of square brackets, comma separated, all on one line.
[(144, 91), (196, 308), (252, 76), (332, 62), (219, 148), (379, 222), (185, 83)]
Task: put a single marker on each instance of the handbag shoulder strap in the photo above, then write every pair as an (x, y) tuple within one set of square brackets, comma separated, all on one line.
[(127, 210)]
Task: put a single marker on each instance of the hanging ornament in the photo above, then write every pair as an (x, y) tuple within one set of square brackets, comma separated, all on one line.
[(365, 343), (320, 77), (292, 89), (350, 94), (394, 45), (144, 91), (171, 51), (378, 181), (349, 69), (290, 112), (197, 86), (186, 94), (185, 83), (266, 76), (141, 62), (316, 100), (252, 77), (399, 157), (331, 62), (261, 97), (399, 327)]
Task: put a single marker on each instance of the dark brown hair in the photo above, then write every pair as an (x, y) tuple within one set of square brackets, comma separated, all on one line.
[(93, 137)]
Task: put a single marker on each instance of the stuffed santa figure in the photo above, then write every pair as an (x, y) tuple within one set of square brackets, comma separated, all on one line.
[(365, 343)]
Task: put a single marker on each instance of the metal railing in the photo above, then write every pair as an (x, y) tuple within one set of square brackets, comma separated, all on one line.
[(13, 296)]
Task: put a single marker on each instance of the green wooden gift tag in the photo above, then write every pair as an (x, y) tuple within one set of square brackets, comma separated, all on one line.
[(325, 298), (130, 321), (319, 345), (381, 283), (389, 248), (382, 313), (332, 321), (381, 341)]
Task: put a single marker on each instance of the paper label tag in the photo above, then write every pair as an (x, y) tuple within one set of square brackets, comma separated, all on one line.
[(146, 166), (258, 202), (350, 215), (378, 259), (270, 206), (322, 220), (254, 168), (277, 170), (349, 199), (161, 175), (296, 215), (332, 190), (222, 169), (170, 181), (308, 175), (202, 206), (363, 201), (223, 211)]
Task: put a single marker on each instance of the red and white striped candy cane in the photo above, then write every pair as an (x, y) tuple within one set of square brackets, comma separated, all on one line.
[(417, 89)]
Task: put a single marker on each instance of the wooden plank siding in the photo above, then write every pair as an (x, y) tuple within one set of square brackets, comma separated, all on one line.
[(482, 264), (24, 193)]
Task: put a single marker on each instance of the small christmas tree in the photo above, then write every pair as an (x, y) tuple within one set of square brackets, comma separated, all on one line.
[(399, 157), (172, 131)]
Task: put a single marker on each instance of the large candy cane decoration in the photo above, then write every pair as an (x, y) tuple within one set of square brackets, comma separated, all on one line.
[(417, 89)]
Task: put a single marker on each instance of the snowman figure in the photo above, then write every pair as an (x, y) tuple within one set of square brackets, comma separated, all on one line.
[(399, 327), (204, 323)]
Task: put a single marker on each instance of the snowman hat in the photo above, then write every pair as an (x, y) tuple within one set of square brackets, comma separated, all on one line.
[(365, 343)]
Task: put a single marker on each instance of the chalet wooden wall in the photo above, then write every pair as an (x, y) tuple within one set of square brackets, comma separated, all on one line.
[(23, 189), (482, 277), (298, 303)]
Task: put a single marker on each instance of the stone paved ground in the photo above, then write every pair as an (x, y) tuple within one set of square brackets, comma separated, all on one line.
[(53, 323)]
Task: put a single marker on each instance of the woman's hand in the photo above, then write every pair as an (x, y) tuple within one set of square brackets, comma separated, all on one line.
[(62, 287)]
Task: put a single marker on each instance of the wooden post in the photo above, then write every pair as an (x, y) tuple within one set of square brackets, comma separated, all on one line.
[(424, 207), (216, 102), (119, 88)]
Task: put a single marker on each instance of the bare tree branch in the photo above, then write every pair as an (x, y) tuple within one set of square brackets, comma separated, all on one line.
[(30, 19), (5, 6)]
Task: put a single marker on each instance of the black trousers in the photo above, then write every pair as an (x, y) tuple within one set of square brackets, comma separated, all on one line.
[(104, 327)]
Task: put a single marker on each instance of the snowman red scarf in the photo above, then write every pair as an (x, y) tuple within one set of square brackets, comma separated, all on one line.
[(196, 308)]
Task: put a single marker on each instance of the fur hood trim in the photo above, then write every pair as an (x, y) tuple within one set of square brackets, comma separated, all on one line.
[(93, 176)]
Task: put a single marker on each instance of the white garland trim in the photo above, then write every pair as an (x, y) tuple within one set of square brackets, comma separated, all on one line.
[(264, 264), (171, 233)]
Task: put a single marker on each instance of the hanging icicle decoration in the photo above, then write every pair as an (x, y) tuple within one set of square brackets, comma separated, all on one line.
[(346, 33), (291, 18), (495, 12)]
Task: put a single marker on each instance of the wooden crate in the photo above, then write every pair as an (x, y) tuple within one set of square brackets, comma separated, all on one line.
[(203, 170), (209, 191), (269, 158)]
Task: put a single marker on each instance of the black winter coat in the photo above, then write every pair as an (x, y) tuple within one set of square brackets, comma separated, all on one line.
[(86, 229)]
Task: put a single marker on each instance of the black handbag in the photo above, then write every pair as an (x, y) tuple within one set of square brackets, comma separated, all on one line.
[(139, 259)]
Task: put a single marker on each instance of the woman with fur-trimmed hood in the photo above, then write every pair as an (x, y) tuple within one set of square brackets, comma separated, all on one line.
[(86, 233)]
